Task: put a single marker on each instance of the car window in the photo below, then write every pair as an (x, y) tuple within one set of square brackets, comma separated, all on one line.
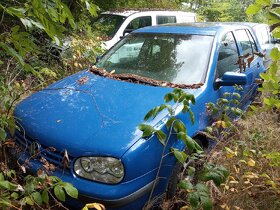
[(243, 39), (108, 24), (127, 52), (228, 55), (166, 19), (181, 59), (139, 22)]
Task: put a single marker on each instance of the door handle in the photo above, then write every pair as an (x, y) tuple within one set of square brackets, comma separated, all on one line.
[(258, 65)]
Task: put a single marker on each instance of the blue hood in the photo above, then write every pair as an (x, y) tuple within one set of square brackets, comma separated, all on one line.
[(88, 114)]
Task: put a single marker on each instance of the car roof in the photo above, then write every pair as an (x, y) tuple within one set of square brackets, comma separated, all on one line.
[(126, 13), (250, 24), (202, 28)]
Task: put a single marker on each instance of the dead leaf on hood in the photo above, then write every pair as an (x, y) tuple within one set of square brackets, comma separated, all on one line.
[(65, 160), (82, 80)]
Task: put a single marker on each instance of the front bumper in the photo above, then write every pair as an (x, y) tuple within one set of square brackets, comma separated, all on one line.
[(131, 193)]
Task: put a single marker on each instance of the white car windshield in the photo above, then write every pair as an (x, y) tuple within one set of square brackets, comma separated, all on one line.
[(180, 59), (108, 24)]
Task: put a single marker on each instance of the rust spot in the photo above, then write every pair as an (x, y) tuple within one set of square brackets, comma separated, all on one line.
[(82, 80), (139, 79)]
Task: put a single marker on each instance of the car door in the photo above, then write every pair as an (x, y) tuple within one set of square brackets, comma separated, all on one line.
[(251, 63)]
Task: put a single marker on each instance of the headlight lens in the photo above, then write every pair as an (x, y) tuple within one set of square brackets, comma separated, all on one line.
[(102, 169)]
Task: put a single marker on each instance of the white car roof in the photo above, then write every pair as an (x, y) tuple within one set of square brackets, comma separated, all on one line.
[(127, 13)]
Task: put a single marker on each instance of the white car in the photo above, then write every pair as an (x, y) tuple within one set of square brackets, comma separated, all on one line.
[(116, 24), (267, 42)]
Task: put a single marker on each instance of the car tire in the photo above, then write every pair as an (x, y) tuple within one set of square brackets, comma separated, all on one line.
[(174, 180)]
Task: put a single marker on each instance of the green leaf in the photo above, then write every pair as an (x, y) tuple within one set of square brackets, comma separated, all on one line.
[(67, 13), (45, 196), (190, 143), (15, 195), (236, 95), (91, 8), (275, 54), (204, 196), (181, 156), (185, 185), (218, 174), (276, 32), (154, 112), (59, 192), (28, 200), (263, 2), (183, 136), (37, 198), (12, 52), (194, 199), (170, 122), (18, 12), (29, 23), (253, 9), (161, 136), (264, 76), (7, 185), (147, 130), (2, 178), (168, 97), (179, 126), (3, 134), (191, 116), (70, 190)]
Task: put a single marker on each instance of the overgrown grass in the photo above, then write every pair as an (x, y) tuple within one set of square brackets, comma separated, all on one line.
[(252, 156)]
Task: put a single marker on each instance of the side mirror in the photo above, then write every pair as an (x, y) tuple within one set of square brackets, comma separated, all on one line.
[(231, 79)]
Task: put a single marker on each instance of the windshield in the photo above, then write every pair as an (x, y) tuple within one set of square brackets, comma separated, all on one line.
[(180, 59), (108, 24)]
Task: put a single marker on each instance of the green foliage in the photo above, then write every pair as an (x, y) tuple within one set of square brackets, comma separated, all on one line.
[(218, 174), (34, 191), (274, 158), (224, 10), (167, 4), (9, 95), (180, 98), (271, 84), (198, 195), (222, 112)]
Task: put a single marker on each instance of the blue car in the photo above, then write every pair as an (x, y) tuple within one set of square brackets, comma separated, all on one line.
[(91, 118)]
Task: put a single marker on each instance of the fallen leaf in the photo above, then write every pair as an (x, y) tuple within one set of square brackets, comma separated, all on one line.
[(82, 80), (251, 162), (65, 160), (96, 206)]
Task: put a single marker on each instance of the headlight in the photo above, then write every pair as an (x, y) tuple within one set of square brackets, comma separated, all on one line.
[(103, 169)]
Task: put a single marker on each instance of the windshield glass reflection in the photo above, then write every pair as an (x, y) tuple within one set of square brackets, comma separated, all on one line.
[(181, 59)]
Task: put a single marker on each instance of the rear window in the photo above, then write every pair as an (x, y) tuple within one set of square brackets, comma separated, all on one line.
[(166, 19)]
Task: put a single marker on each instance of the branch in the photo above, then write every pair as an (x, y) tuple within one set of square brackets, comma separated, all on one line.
[(275, 5), (273, 26)]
